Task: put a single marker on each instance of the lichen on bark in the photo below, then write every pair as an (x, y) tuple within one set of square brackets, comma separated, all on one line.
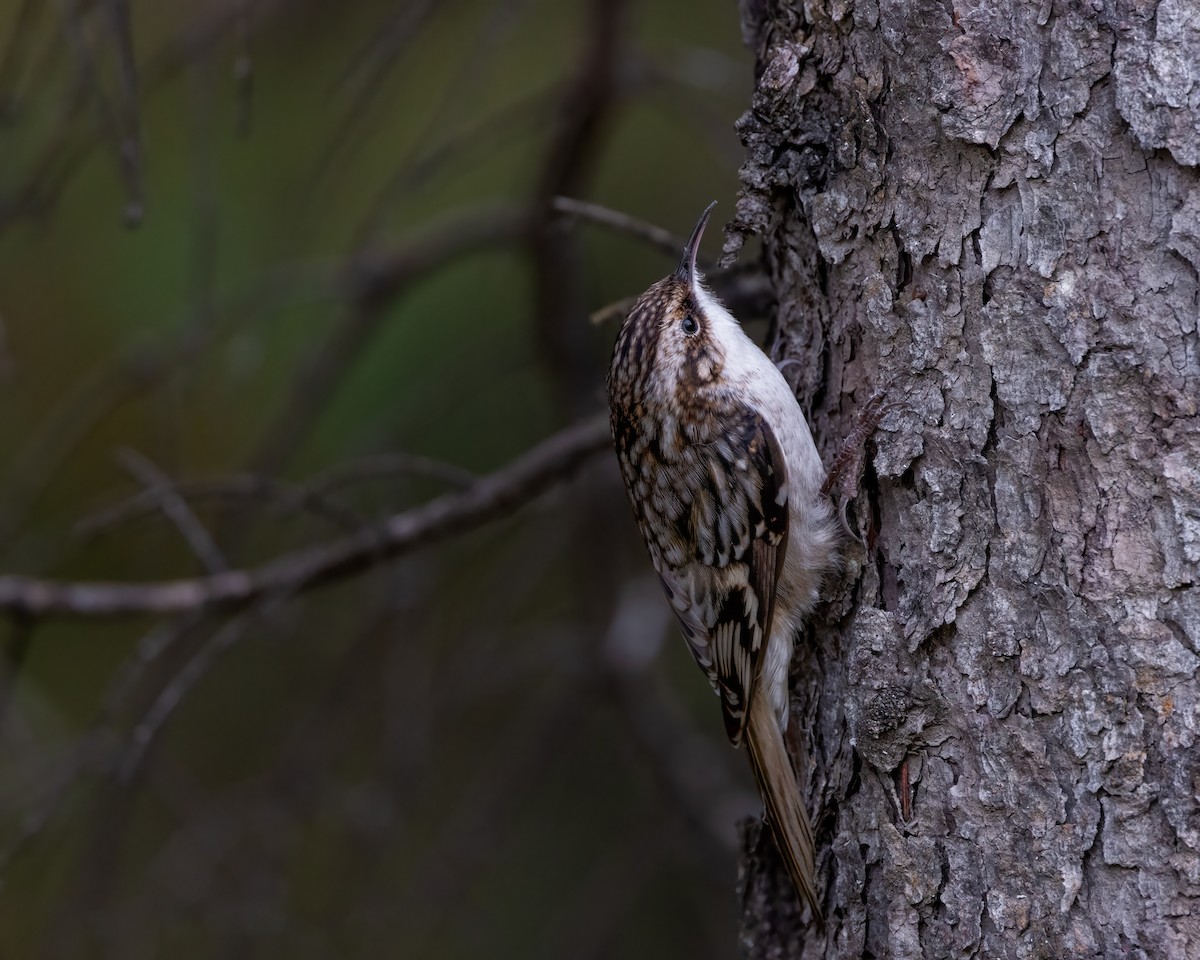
[(992, 211)]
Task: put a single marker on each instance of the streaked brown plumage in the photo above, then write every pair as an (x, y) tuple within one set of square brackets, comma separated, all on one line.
[(725, 483)]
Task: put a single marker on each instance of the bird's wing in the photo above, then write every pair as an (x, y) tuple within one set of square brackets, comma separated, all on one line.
[(727, 516)]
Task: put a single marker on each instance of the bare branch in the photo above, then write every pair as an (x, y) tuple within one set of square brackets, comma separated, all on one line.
[(98, 751), (389, 465), (127, 111), (313, 496), (585, 110), (370, 65), (439, 148), (71, 143), (137, 369), (6, 361), (664, 240), (493, 496), (690, 771), (612, 311), (160, 639), (119, 115), (16, 53), (243, 69), (236, 488), (172, 695), (373, 284), (166, 496), (15, 651)]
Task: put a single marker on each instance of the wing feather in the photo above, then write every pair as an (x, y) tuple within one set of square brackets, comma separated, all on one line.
[(718, 538)]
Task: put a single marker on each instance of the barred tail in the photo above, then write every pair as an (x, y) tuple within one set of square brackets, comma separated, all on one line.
[(781, 797)]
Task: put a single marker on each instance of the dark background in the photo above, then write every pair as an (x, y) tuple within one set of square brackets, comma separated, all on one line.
[(270, 272)]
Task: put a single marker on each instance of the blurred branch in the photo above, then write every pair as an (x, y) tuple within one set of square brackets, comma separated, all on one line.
[(167, 498), (237, 488), (448, 152), (366, 76), (612, 311), (151, 648), (6, 361), (99, 749), (610, 888), (691, 772), (69, 145), (119, 116), (16, 52), (492, 496), (373, 283), (385, 465), (137, 369), (495, 795), (129, 149), (243, 68), (433, 151), (148, 728), (312, 497), (15, 650), (656, 236), (570, 156)]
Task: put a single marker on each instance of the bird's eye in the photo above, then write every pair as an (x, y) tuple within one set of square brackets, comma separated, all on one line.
[(690, 326)]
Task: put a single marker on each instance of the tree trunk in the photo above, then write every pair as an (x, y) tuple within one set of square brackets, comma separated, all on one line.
[(991, 210)]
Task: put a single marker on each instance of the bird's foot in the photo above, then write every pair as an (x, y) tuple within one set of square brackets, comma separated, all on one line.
[(846, 469)]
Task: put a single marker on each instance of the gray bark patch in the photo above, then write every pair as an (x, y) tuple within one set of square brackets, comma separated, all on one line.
[(990, 210)]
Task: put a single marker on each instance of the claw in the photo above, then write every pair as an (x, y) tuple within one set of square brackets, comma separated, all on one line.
[(858, 538), (847, 464)]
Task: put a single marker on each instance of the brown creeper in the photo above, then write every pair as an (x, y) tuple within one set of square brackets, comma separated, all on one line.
[(725, 482)]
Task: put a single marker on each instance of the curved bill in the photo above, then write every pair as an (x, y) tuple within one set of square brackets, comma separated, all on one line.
[(687, 266)]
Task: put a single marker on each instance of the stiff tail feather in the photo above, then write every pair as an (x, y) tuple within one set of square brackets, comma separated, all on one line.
[(781, 797)]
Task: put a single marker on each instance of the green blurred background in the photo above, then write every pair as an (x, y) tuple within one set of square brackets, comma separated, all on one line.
[(477, 749)]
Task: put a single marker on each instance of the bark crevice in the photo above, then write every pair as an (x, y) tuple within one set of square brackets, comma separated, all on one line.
[(990, 210)]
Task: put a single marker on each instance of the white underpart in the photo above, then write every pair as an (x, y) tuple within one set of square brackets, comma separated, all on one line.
[(812, 536)]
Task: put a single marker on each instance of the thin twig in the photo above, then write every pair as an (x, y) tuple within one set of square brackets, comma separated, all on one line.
[(7, 366), (665, 240), (72, 142), (15, 651), (166, 496), (17, 53), (692, 772), (163, 637), (119, 118), (577, 134), (439, 148), (612, 311), (238, 488), (98, 750), (367, 75), (172, 695), (451, 151), (312, 497), (137, 369), (373, 284), (385, 465), (473, 828), (129, 146), (243, 69), (493, 496)]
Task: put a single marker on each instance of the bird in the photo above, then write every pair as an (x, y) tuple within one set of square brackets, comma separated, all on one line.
[(726, 485)]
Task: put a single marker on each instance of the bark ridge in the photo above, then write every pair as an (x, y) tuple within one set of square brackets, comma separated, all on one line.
[(993, 211)]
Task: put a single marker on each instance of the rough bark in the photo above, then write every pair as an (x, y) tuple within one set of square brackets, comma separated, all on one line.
[(992, 210)]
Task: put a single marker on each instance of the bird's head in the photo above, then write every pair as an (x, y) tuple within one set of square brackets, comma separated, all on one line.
[(671, 342)]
